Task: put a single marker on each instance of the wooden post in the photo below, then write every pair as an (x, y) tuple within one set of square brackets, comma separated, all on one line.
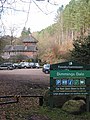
[(40, 101), (88, 103)]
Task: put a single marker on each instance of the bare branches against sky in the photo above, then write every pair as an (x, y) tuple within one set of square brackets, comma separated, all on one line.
[(33, 14)]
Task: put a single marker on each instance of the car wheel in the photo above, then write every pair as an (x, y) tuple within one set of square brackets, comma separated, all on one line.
[(8, 68)]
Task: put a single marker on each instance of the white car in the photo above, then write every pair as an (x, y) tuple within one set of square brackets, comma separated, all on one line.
[(46, 68), (24, 65), (37, 65)]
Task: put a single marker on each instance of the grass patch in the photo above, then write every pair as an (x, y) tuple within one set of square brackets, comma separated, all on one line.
[(59, 114), (22, 111)]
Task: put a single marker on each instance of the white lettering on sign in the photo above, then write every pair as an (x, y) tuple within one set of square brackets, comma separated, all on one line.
[(67, 67), (65, 74), (79, 74)]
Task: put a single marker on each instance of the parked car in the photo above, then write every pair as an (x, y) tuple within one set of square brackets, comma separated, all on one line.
[(8, 66), (46, 68), (37, 65), (32, 65), (16, 65), (24, 65)]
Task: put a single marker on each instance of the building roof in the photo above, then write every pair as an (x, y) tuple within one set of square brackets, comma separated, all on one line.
[(20, 48), (8, 48), (30, 39)]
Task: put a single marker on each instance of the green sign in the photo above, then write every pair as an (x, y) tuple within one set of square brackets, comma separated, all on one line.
[(70, 65), (69, 78), (70, 73)]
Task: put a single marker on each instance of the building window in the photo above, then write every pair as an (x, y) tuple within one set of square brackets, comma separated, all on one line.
[(25, 47)]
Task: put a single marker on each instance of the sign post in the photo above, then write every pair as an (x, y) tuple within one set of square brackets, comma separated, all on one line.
[(70, 78)]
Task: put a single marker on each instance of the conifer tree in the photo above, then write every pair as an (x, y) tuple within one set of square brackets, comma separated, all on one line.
[(81, 50)]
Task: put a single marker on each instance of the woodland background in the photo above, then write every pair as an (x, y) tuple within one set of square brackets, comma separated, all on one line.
[(56, 41)]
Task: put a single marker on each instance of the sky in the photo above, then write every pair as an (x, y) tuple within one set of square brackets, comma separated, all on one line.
[(36, 15)]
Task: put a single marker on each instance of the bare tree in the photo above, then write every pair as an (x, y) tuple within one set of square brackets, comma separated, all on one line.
[(12, 31), (11, 7)]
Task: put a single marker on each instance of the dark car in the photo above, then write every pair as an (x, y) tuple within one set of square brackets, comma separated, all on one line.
[(8, 66), (46, 68)]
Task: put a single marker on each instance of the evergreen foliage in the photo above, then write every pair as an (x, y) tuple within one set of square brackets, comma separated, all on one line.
[(25, 32), (81, 50), (71, 21), (76, 15)]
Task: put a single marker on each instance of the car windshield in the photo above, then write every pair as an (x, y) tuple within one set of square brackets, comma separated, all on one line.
[(47, 65)]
